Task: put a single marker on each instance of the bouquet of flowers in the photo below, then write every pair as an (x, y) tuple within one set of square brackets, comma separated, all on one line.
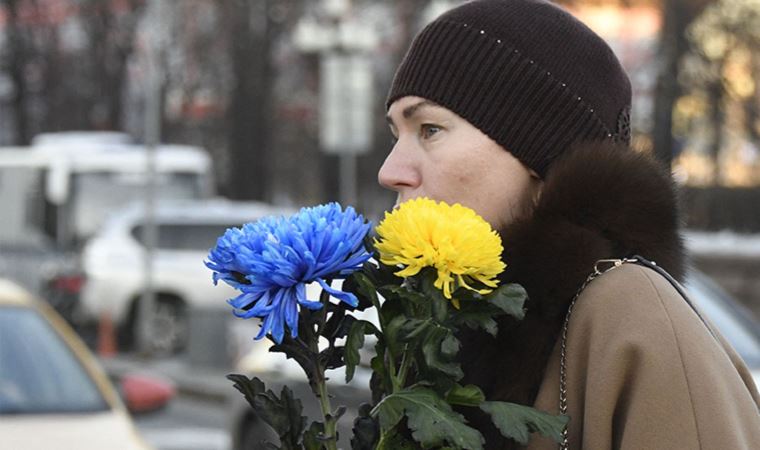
[(429, 270)]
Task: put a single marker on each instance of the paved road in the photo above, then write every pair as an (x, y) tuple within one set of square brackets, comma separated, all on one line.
[(186, 424)]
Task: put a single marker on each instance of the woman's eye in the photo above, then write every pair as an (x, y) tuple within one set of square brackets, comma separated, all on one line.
[(428, 130)]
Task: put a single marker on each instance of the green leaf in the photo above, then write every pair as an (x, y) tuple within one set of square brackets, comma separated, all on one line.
[(311, 437), (509, 298), (252, 388), (361, 285), (431, 419), (411, 329), (412, 302), (331, 358), (438, 381), (439, 305), (283, 414), (351, 285), (477, 316), (518, 421), (366, 429), (391, 310), (380, 274), (439, 347), (469, 395), (302, 355), (337, 325), (450, 345), (354, 343), (395, 441), (309, 321), (380, 383), (248, 387), (399, 329)]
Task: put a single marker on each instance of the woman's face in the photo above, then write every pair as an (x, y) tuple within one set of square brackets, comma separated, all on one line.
[(439, 155)]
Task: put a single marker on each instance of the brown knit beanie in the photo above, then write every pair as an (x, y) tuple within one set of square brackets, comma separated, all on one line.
[(525, 72)]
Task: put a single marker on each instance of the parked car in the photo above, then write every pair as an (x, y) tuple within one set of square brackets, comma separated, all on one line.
[(53, 394), (56, 193), (113, 266), (732, 319), (734, 322)]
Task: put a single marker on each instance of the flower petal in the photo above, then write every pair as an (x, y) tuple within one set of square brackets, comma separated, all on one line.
[(271, 260), (453, 239), (302, 300), (345, 297)]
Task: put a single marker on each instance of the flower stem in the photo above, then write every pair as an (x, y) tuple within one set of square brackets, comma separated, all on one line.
[(392, 370), (406, 361), (331, 443), (320, 388)]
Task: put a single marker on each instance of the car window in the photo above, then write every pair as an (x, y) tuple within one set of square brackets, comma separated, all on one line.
[(200, 237), (95, 194), (38, 372), (733, 322)]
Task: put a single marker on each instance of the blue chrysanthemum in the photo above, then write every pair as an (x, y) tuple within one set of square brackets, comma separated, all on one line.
[(271, 260)]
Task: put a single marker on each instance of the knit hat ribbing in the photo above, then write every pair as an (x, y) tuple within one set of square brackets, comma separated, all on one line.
[(525, 72)]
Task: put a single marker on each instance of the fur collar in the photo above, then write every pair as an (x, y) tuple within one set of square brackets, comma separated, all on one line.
[(600, 201)]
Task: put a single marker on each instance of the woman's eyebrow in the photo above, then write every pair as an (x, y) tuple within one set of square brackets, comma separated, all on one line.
[(411, 110)]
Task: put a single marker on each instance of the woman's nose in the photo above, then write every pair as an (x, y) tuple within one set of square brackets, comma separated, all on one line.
[(399, 172)]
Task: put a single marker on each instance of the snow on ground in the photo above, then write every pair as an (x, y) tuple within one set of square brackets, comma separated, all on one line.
[(722, 243)]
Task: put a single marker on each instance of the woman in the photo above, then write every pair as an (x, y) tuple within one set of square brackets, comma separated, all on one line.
[(517, 110)]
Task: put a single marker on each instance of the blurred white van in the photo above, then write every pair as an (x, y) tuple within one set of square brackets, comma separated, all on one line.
[(56, 193), (113, 265)]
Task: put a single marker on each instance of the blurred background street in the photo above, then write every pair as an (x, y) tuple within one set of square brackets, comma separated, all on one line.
[(134, 132), (187, 423)]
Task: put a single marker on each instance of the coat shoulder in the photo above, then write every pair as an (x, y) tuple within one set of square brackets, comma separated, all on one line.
[(630, 294), (640, 354)]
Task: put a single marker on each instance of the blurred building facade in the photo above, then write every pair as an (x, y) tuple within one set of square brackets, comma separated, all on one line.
[(236, 84)]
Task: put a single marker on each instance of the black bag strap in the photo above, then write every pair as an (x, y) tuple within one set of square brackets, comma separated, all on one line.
[(640, 260)]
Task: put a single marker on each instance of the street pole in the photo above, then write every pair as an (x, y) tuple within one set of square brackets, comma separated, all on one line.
[(345, 127), (152, 138)]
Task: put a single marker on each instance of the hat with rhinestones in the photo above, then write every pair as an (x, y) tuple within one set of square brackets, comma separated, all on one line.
[(525, 72)]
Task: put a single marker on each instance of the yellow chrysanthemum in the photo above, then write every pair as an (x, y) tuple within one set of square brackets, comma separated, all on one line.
[(453, 239)]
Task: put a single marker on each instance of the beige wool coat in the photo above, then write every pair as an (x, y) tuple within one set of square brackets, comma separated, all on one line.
[(644, 372)]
